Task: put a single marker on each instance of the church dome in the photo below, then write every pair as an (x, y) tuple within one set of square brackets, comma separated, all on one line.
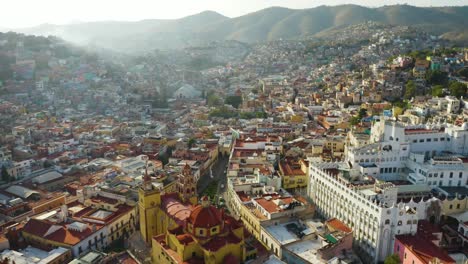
[(205, 215)]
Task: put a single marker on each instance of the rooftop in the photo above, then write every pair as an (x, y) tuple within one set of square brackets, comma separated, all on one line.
[(425, 250), (306, 249), (285, 234), (32, 255)]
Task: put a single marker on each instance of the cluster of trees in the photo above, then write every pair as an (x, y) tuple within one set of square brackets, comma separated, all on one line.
[(356, 119), (251, 115), (5, 70), (201, 63), (223, 112), (234, 100), (5, 175), (410, 89), (436, 77), (392, 259)]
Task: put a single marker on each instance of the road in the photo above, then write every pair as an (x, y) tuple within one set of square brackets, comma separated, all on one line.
[(219, 175)]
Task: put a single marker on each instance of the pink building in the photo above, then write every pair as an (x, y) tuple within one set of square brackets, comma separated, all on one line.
[(417, 250)]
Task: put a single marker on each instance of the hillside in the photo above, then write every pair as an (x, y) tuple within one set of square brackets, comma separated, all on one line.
[(267, 24)]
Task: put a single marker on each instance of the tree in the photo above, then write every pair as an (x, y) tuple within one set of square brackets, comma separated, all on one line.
[(354, 120), (457, 89), (213, 100), (362, 113), (437, 77), (463, 72), (397, 111), (437, 91), (410, 90), (234, 100), (392, 259), (191, 142), (5, 174)]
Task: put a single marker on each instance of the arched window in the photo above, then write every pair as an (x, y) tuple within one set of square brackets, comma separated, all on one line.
[(387, 222)]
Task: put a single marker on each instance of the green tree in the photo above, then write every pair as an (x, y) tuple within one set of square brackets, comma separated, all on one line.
[(5, 174), (213, 100), (354, 120), (410, 90), (234, 100), (398, 111), (436, 77), (457, 89), (437, 91), (362, 113), (392, 259), (463, 72), (190, 143)]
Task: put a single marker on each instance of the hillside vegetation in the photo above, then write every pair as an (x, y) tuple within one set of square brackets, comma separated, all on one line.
[(267, 24)]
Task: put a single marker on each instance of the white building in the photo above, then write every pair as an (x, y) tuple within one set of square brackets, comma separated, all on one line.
[(432, 140), (367, 206), (438, 171)]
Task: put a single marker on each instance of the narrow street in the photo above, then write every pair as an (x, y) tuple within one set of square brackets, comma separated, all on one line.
[(219, 175)]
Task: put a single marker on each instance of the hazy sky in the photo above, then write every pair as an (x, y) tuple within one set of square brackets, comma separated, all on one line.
[(24, 13)]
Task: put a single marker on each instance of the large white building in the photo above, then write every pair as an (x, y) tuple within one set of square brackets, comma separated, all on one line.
[(367, 206), (392, 143), (358, 193)]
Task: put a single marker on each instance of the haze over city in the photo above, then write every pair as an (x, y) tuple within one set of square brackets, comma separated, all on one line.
[(64, 12)]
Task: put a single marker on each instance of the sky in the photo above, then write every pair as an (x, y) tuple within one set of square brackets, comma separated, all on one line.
[(26, 13)]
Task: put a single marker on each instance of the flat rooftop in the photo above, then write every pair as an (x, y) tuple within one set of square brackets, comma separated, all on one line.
[(307, 249), (282, 234)]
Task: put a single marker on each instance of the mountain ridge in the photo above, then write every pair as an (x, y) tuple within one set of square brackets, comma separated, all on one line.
[(263, 25)]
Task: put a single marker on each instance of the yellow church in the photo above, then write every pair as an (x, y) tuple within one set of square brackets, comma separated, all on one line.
[(180, 230)]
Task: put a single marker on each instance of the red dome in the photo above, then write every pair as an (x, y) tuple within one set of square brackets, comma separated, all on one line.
[(205, 217)]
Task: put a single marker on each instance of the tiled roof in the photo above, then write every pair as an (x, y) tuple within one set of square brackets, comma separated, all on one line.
[(61, 235), (37, 227), (424, 249), (338, 225), (218, 242), (205, 217), (175, 208)]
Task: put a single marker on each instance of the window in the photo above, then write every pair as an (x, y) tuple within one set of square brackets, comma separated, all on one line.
[(451, 206), (460, 174), (421, 140), (428, 140), (448, 139), (451, 175), (387, 222), (415, 141), (458, 206), (436, 139), (441, 175), (200, 232), (405, 255), (442, 139)]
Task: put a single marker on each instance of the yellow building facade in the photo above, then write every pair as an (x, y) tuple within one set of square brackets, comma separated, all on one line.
[(294, 174), (180, 230)]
